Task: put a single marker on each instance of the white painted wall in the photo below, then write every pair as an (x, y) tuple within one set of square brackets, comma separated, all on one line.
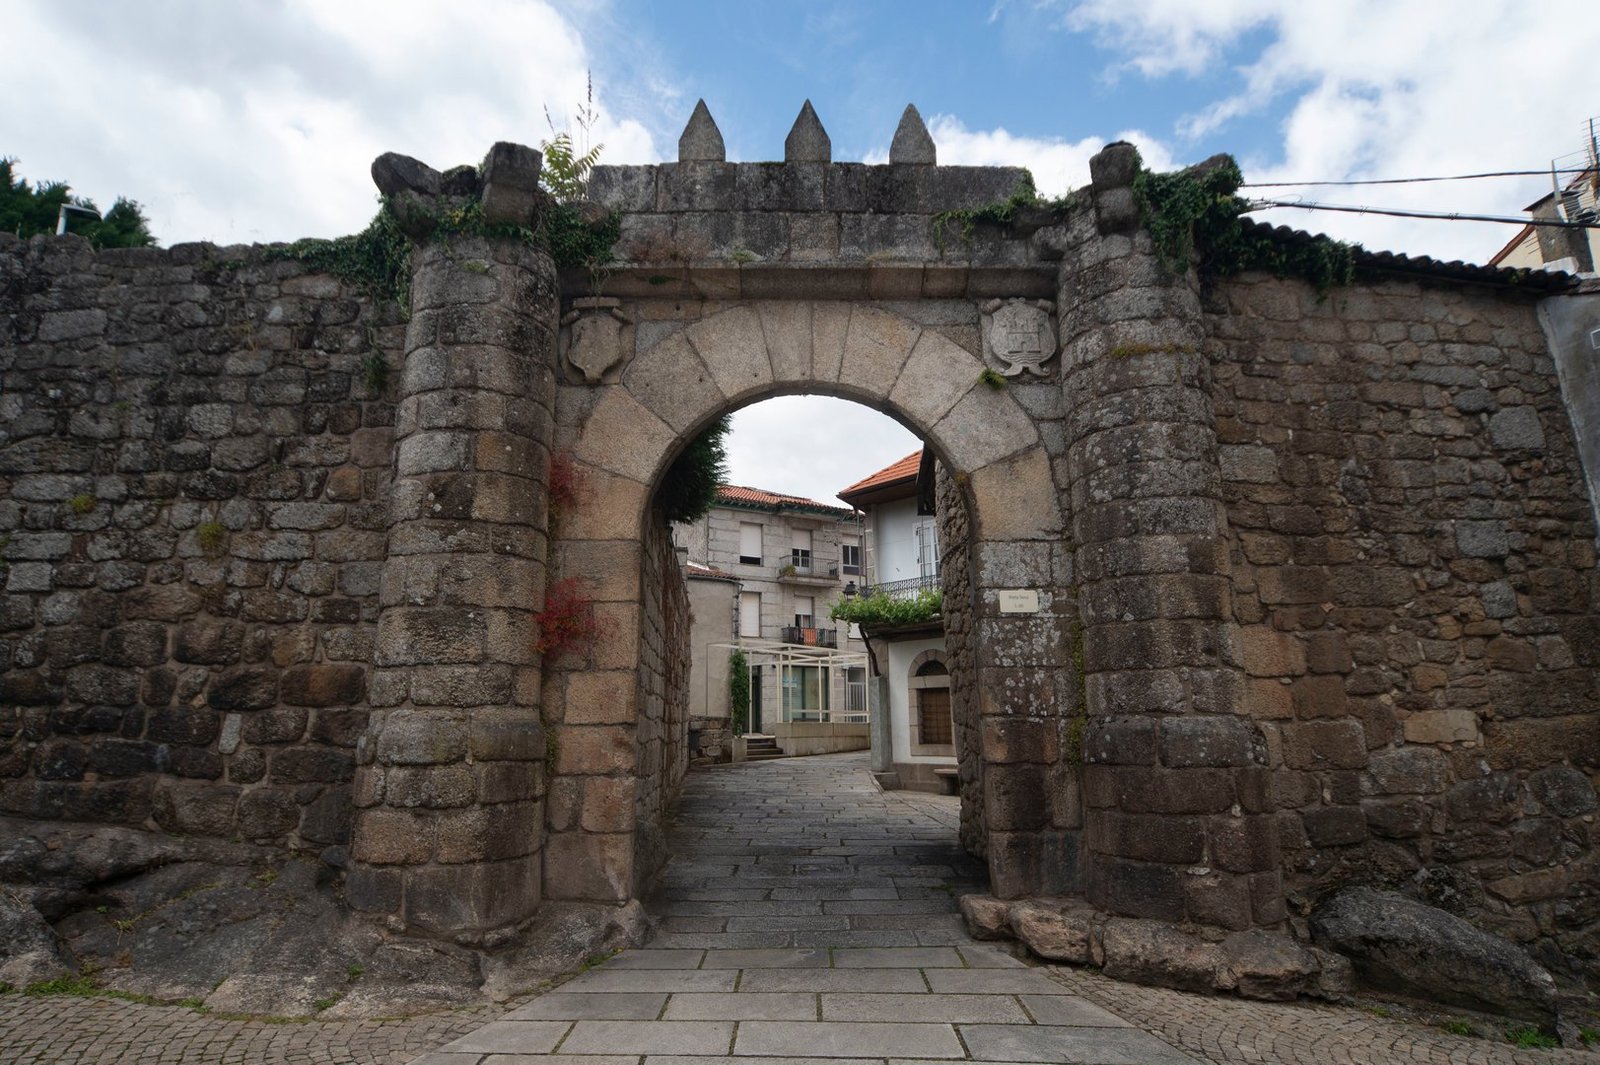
[(894, 532), (900, 654)]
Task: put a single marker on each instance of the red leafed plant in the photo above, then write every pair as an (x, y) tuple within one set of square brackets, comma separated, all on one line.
[(567, 622)]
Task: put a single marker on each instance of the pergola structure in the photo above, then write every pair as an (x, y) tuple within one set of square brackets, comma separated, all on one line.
[(777, 653)]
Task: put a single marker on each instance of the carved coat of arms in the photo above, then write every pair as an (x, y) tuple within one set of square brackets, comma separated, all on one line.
[(595, 336), (1018, 335)]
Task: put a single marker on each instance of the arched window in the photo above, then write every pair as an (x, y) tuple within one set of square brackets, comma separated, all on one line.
[(930, 691)]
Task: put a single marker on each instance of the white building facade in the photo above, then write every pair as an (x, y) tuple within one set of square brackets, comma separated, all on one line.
[(913, 738)]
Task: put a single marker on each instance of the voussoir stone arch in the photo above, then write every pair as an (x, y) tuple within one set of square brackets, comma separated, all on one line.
[(622, 435), (856, 351)]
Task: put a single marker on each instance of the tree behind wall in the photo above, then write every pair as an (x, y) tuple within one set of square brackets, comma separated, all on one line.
[(26, 210)]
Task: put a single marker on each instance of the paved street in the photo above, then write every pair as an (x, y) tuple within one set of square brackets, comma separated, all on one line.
[(810, 917), (805, 917)]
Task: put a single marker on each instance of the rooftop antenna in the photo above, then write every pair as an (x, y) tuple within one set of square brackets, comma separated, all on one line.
[(66, 208)]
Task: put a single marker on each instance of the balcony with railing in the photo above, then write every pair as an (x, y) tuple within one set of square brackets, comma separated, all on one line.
[(799, 567), (905, 589), (810, 636)]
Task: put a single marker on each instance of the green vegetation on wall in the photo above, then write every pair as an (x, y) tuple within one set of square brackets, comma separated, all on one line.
[(379, 257), (1200, 210), (963, 221), (739, 692)]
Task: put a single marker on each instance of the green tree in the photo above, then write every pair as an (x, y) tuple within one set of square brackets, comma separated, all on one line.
[(689, 486), (26, 210)]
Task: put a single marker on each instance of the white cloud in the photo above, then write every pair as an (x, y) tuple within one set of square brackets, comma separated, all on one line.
[(812, 445), (1379, 88), (1058, 166), (254, 121)]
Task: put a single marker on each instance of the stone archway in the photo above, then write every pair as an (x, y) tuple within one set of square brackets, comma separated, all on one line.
[(622, 438), (1115, 755)]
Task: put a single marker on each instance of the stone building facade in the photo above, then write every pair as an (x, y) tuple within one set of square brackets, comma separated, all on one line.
[(788, 555), (1250, 590)]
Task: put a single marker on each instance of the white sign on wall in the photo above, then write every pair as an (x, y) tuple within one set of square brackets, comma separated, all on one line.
[(1019, 601)]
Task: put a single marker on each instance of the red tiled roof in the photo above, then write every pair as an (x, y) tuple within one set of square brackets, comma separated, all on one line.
[(902, 472), (739, 495), (695, 569)]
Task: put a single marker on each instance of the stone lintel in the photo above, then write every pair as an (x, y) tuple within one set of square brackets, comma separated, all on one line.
[(823, 281)]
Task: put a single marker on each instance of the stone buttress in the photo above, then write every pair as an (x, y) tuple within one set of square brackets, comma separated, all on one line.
[(1177, 796), (450, 781)]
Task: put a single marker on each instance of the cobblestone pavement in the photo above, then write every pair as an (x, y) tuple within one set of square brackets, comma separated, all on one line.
[(805, 916)]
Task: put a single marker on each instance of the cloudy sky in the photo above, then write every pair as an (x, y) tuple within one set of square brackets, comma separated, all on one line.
[(255, 120)]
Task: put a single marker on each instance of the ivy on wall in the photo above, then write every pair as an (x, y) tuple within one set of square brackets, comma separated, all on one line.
[(739, 692), (379, 257), (1199, 210)]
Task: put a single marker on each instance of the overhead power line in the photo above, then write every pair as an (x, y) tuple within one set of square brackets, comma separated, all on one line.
[(1443, 216), (1416, 180)]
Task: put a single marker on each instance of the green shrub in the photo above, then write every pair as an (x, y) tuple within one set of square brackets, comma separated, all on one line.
[(1529, 1036), (881, 609)]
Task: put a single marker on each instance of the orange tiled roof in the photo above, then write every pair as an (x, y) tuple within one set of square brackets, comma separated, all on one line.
[(696, 569), (739, 495), (904, 470)]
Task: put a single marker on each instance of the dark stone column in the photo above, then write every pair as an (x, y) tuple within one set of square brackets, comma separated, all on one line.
[(451, 774), (1178, 822)]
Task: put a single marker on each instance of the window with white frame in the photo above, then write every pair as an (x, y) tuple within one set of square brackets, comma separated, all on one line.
[(749, 543), (850, 556), (800, 553), (927, 548), (805, 607)]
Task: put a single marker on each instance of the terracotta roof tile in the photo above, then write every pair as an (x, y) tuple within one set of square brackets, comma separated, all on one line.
[(904, 470), (740, 495), (696, 569), (1388, 262)]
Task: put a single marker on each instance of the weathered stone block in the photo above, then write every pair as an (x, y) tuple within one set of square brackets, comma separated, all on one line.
[(1324, 745), (249, 688), (986, 917), (597, 868), (1148, 952), (324, 685), (415, 738)]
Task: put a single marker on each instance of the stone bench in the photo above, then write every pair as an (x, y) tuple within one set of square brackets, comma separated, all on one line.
[(950, 777)]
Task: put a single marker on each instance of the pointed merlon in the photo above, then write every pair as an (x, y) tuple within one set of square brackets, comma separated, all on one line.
[(911, 143), (702, 140), (807, 142)]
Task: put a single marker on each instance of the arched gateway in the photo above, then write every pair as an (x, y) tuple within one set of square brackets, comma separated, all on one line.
[(1094, 671), (1253, 591)]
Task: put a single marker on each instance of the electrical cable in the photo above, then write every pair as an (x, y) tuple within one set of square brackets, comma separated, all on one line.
[(1454, 216), (1415, 180)]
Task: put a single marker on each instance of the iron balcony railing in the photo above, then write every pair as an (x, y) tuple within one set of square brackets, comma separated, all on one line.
[(796, 565), (902, 589), (810, 637)]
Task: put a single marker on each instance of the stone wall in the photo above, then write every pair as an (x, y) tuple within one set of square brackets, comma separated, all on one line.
[(955, 575), (1415, 592), (193, 474), (661, 736)]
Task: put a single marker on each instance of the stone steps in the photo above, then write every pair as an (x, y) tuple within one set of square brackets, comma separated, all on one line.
[(761, 748)]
